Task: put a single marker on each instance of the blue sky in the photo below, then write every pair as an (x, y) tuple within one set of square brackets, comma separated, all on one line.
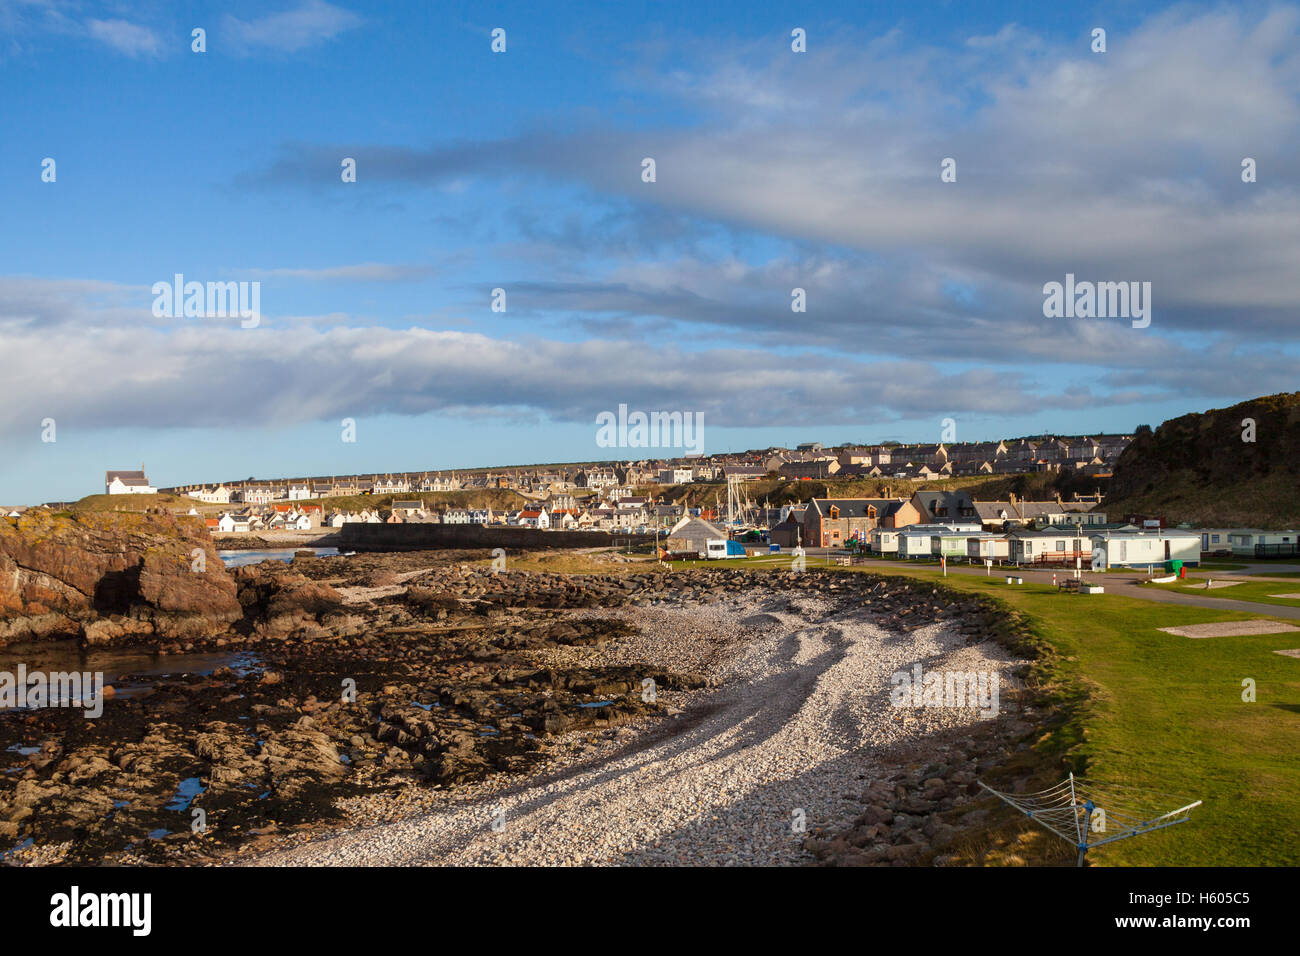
[(522, 171)]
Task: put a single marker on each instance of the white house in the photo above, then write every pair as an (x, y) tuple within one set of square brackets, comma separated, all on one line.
[(389, 485), (675, 476), (128, 483), (299, 492), (234, 524), (535, 518), (219, 495), (257, 495), (439, 483)]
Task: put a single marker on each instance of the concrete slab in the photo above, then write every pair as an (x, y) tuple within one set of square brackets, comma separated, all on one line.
[(1230, 629)]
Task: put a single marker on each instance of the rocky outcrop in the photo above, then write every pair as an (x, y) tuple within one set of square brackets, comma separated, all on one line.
[(111, 575), (279, 601)]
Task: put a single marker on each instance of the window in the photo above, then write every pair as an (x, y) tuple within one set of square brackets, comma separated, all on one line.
[(1214, 538), (835, 512), (1060, 546)]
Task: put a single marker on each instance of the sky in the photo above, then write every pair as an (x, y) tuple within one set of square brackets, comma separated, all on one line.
[(523, 171)]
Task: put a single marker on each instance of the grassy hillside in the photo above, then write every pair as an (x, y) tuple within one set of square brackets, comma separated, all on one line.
[(1198, 468), (136, 503)]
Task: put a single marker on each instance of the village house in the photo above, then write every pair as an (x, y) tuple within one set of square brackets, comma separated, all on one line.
[(597, 477), (789, 531), (745, 472), (439, 483), (256, 494), (1003, 515), (534, 518), (562, 501), (675, 475), (810, 468), (976, 452), (388, 485), (563, 520), (128, 483), (833, 522)]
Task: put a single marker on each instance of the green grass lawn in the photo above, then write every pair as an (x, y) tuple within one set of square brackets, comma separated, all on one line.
[(1260, 592), (1166, 714)]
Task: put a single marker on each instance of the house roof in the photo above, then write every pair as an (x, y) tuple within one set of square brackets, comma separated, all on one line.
[(132, 478), (952, 500), (856, 507), (694, 527)]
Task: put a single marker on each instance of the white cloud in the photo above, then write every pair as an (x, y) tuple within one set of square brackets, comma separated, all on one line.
[(311, 23), (1120, 167), (129, 38)]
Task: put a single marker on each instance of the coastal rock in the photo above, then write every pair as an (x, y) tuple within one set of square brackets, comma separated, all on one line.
[(152, 574)]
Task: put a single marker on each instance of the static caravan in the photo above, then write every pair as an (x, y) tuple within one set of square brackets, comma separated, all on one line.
[(915, 543), (1132, 549), (1215, 540), (1049, 546), (1254, 543), (883, 540), (926, 540), (988, 547), (949, 544)]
